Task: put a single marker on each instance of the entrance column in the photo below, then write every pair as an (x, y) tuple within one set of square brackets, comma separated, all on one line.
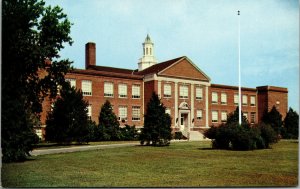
[(192, 106), (176, 105), (206, 106)]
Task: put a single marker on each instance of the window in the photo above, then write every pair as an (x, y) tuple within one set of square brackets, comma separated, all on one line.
[(214, 98), (86, 87), (183, 91), (89, 113), (72, 82), (245, 114), (108, 89), (223, 116), (223, 98), (199, 114), (214, 116), (167, 90), (136, 91), (245, 99), (136, 112), (168, 111), (236, 99), (39, 133), (252, 101), (252, 118), (122, 113), (122, 91), (199, 93)]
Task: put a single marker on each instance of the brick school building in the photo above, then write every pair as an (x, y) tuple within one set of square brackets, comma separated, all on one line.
[(193, 102)]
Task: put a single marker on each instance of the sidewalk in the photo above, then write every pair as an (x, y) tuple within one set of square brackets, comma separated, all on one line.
[(79, 148), (86, 148)]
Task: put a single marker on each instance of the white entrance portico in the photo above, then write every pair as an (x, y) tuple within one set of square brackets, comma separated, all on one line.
[(184, 117)]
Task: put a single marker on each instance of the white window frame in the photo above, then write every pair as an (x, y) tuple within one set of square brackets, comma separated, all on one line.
[(199, 93), (167, 90), (236, 99), (72, 82), (224, 98), (136, 113), (86, 87), (223, 116), (136, 91), (108, 89), (252, 101), (183, 92), (252, 117), (123, 113), (244, 100), (214, 116), (214, 98), (122, 89), (199, 114)]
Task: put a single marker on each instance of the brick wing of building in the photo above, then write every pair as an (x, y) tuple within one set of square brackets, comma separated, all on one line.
[(193, 102)]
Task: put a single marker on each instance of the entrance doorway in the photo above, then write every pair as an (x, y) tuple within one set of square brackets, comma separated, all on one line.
[(184, 121)]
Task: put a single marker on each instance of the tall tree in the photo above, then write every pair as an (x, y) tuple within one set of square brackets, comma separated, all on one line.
[(31, 33), (291, 124), (109, 125), (157, 125), (274, 118), (68, 121)]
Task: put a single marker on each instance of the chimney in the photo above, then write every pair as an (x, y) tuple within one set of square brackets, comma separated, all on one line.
[(90, 54)]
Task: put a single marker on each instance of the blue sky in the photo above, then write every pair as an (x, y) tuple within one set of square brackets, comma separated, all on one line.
[(206, 31)]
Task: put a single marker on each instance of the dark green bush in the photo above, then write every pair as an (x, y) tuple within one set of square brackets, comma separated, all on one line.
[(236, 137), (178, 135), (128, 133)]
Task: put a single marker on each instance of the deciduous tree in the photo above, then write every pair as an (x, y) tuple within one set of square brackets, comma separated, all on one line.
[(31, 33)]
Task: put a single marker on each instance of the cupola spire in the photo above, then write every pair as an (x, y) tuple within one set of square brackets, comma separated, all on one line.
[(148, 59)]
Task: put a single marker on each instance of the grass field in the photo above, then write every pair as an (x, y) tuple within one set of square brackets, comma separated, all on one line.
[(182, 164)]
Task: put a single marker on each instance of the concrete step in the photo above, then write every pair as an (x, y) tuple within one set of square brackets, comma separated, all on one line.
[(196, 136)]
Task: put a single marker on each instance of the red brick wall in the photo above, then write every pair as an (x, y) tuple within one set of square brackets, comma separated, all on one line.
[(90, 54), (230, 106), (270, 96), (200, 105), (97, 99)]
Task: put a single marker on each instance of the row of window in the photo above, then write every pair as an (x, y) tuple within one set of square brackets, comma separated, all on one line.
[(236, 99), (86, 87), (215, 116), (122, 110), (183, 91)]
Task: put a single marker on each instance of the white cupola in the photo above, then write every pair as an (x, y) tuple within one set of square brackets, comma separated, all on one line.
[(148, 58)]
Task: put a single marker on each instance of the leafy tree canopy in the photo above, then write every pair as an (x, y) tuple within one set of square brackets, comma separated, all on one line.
[(31, 33)]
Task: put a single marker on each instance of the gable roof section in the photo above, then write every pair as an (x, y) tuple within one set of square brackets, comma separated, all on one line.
[(158, 67), (184, 68)]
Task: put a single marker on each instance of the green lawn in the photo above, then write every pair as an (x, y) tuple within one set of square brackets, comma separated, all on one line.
[(182, 164)]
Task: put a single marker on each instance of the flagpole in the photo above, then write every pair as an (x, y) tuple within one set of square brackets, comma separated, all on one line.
[(240, 96)]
